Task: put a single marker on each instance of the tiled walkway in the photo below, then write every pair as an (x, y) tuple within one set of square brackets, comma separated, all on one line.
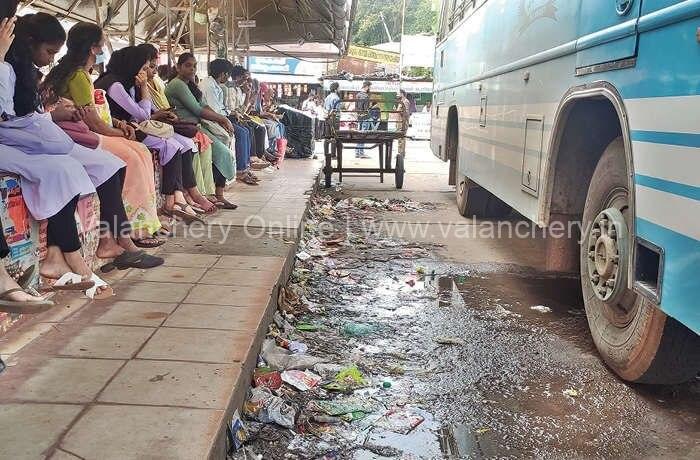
[(156, 371)]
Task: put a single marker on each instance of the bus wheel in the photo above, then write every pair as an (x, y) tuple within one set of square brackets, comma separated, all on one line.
[(635, 338), (475, 201)]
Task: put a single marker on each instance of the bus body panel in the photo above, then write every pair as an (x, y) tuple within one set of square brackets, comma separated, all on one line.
[(521, 89)]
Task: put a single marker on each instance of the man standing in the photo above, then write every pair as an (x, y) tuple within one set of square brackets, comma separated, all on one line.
[(404, 106), (332, 102), (362, 105)]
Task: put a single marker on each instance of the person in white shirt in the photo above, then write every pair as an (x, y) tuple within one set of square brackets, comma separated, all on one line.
[(214, 96), (309, 104)]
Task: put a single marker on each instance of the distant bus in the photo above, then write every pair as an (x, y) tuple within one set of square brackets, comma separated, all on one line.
[(587, 111)]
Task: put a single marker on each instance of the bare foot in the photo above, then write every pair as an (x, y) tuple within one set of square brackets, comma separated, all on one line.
[(108, 248), (7, 283), (55, 265)]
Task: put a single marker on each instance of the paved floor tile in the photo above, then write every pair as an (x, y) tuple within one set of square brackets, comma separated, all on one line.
[(234, 277), (67, 380), (201, 345), (116, 342), (132, 313), (152, 292), (242, 296), (251, 263), (140, 432), (168, 274), (216, 317), (189, 260), (27, 430), (62, 455), (172, 383)]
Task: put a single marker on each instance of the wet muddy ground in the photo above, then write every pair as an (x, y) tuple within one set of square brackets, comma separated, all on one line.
[(460, 351)]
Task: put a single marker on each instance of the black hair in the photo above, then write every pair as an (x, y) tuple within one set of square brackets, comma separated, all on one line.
[(81, 38), (238, 70), (126, 63), (217, 67), (150, 50), (8, 8), (30, 31), (334, 86), (165, 72), (194, 89)]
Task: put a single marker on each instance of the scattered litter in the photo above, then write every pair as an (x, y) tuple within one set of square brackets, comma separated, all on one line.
[(301, 380), (303, 256), (297, 347), (482, 430), (449, 341), (307, 327), (358, 329), (344, 406), (237, 432), (400, 421), (265, 407), (571, 392), (281, 359), (541, 309), (347, 380), (267, 378)]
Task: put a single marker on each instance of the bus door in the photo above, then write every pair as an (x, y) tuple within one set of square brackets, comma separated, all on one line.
[(607, 35)]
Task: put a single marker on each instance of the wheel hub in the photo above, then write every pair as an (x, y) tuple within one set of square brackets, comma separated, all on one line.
[(607, 257)]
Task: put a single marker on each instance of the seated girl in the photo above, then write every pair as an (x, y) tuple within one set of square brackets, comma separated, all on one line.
[(70, 78), (180, 94), (40, 34), (203, 159), (126, 85)]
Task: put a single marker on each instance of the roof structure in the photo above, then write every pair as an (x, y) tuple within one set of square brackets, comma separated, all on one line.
[(306, 28)]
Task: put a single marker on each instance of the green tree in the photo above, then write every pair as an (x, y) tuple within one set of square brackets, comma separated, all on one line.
[(368, 27)]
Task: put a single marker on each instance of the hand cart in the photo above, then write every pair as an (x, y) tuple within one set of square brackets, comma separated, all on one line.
[(346, 134)]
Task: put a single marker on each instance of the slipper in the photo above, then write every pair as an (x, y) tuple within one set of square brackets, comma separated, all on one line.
[(25, 307), (186, 216), (223, 203), (129, 260), (246, 179), (69, 282), (98, 283), (148, 243)]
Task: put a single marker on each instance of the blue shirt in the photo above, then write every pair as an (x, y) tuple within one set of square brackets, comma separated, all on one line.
[(332, 102)]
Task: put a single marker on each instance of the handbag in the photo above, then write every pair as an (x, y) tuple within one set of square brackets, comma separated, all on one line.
[(35, 134), (218, 132), (80, 133), (185, 128), (157, 129)]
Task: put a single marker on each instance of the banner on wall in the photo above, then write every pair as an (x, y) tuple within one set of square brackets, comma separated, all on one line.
[(283, 66), (373, 55), (381, 86)]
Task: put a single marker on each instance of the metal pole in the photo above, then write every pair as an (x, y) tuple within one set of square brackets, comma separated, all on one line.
[(403, 24), (192, 6), (227, 21), (131, 12), (169, 33), (233, 30), (208, 35)]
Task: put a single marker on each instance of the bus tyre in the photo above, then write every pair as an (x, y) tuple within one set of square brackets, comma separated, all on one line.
[(475, 201), (635, 338)]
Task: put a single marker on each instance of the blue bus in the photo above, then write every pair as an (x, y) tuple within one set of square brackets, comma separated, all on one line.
[(587, 112)]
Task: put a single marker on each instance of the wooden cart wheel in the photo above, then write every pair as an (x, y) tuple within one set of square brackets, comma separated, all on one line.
[(399, 171)]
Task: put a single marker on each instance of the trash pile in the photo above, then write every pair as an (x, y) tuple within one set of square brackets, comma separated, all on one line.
[(320, 389)]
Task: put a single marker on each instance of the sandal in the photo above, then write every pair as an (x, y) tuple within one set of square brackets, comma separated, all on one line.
[(129, 260), (148, 243), (68, 282), (246, 179), (99, 283), (223, 203), (22, 307), (179, 210)]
